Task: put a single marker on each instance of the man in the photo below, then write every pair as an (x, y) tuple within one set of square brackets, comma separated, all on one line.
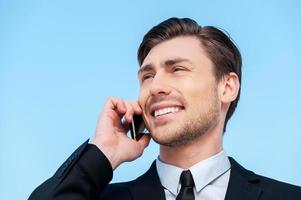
[(190, 84)]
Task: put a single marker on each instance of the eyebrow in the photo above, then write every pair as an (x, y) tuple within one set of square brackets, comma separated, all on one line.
[(169, 62)]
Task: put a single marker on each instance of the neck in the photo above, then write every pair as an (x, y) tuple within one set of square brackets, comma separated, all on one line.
[(185, 156)]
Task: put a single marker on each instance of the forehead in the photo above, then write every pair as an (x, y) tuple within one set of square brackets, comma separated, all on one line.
[(188, 47)]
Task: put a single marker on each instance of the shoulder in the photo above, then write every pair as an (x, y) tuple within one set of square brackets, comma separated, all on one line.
[(286, 190), (270, 188)]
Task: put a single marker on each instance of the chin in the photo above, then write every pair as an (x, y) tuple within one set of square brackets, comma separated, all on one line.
[(165, 136)]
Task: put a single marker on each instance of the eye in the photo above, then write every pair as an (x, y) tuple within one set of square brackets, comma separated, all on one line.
[(178, 68), (147, 76)]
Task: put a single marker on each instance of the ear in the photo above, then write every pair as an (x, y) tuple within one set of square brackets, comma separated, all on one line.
[(229, 88)]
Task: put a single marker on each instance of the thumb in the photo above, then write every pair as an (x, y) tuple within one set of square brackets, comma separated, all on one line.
[(144, 141)]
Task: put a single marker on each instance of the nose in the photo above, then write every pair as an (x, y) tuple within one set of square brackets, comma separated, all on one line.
[(159, 85)]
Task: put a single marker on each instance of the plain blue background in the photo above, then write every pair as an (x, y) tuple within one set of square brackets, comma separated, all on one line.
[(60, 60)]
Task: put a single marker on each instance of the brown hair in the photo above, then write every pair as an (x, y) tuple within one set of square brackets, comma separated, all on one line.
[(217, 44)]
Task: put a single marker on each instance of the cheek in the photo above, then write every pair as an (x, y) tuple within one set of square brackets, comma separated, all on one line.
[(197, 95), (192, 89), (142, 98)]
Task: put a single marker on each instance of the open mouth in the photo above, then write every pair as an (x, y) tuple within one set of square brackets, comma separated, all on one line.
[(166, 110)]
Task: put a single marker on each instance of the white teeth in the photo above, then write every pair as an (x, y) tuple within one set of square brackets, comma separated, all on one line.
[(164, 111)]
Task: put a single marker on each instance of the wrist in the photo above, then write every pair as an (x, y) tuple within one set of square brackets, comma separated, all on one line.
[(109, 152)]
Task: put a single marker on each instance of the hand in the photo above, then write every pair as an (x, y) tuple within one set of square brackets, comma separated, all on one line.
[(110, 135)]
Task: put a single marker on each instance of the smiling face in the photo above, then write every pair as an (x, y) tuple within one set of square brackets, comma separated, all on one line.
[(179, 92)]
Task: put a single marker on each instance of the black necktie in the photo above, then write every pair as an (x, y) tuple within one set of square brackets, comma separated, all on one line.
[(187, 184)]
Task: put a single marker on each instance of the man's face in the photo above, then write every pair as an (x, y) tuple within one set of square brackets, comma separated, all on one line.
[(179, 92)]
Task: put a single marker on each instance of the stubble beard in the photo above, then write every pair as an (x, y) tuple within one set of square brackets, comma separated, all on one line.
[(191, 129)]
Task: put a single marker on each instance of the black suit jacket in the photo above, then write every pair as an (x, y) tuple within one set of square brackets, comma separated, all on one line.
[(86, 175)]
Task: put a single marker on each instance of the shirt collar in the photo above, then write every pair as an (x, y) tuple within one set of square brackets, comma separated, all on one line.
[(203, 172)]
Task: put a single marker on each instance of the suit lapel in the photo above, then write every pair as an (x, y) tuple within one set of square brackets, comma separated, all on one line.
[(148, 186), (243, 184)]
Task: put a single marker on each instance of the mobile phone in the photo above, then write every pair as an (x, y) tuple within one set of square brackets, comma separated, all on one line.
[(137, 127)]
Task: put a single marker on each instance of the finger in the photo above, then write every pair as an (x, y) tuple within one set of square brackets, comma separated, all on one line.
[(126, 126), (116, 104), (136, 107), (121, 107), (129, 111)]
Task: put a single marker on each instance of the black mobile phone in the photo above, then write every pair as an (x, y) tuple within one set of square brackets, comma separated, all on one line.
[(137, 127)]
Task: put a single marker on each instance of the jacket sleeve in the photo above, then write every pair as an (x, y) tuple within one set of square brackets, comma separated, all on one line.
[(84, 175)]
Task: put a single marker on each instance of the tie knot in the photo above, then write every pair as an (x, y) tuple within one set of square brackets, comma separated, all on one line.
[(186, 179)]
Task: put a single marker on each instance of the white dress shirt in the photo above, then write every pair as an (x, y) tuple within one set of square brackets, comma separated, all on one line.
[(211, 178)]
